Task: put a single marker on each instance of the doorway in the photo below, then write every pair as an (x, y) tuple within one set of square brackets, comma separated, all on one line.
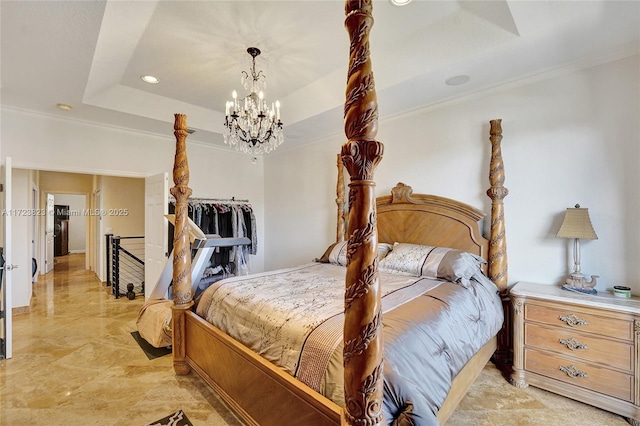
[(70, 224), (88, 207), (35, 192), (60, 229)]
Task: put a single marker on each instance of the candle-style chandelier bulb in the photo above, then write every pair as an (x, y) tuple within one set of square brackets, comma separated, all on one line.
[(251, 125)]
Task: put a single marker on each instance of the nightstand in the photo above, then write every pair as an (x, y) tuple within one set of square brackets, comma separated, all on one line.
[(584, 347)]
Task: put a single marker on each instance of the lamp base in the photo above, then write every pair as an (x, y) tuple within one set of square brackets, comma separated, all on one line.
[(579, 290), (579, 282)]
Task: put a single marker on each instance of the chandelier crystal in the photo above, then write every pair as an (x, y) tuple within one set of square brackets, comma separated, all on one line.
[(251, 125)]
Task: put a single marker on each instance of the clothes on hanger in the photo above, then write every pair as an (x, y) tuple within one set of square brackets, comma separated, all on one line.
[(226, 218)]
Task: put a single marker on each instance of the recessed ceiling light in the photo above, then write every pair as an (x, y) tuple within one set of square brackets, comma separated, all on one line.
[(64, 107), (150, 79), (400, 2), (457, 80)]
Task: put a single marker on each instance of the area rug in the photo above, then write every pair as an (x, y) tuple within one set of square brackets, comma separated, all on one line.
[(150, 351), (179, 418)]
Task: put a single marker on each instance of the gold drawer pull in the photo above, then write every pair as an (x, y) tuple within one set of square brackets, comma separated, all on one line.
[(573, 320), (572, 371), (573, 344)]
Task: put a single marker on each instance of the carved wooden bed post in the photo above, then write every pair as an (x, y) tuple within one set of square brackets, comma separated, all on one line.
[(361, 154), (498, 241), (341, 202), (181, 245)]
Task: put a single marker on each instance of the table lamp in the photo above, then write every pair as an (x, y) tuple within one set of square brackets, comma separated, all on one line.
[(577, 225)]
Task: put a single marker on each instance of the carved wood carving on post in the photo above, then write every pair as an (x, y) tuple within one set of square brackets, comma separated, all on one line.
[(181, 192), (498, 240), (497, 192), (181, 244), (361, 154), (341, 202)]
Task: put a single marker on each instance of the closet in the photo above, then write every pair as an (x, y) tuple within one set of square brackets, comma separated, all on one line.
[(224, 218)]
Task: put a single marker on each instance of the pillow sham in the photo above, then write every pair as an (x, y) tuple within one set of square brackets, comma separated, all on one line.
[(433, 262), (337, 253), (325, 256), (383, 250)]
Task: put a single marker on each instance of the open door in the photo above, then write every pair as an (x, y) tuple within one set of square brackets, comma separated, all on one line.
[(155, 229), (6, 304), (34, 234), (49, 234), (99, 241)]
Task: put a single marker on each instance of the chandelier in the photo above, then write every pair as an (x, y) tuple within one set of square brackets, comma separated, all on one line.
[(251, 126)]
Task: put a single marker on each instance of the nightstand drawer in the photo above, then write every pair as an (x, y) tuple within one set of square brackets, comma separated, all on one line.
[(588, 376), (583, 320), (580, 345)]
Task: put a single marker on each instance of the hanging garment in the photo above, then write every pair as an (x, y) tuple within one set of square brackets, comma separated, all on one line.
[(226, 219)]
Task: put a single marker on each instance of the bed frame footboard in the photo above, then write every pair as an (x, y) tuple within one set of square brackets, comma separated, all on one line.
[(255, 389)]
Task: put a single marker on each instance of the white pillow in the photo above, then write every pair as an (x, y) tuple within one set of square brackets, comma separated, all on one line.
[(338, 254)]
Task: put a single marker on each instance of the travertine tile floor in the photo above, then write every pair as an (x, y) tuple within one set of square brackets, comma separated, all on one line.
[(75, 363), (492, 401)]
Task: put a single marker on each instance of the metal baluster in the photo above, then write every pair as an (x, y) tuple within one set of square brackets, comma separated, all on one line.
[(116, 267), (109, 260)]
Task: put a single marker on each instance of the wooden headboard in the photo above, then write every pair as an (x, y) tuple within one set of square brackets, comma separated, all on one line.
[(442, 222), (429, 220)]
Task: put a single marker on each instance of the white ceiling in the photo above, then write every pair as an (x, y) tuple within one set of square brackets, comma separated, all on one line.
[(91, 54)]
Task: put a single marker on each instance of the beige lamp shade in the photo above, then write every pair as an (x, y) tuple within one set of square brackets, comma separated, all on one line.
[(577, 224)]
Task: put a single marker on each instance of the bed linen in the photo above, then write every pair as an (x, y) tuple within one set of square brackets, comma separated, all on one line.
[(273, 313), (431, 329)]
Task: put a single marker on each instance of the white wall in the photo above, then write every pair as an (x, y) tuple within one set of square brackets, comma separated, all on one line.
[(572, 138), (123, 205), (41, 142), (300, 192), (77, 220), (122, 214)]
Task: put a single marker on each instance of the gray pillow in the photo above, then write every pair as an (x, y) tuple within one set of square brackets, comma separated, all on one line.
[(432, 262)]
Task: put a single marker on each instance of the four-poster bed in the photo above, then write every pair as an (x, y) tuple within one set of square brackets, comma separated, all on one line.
[(264, 394)]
